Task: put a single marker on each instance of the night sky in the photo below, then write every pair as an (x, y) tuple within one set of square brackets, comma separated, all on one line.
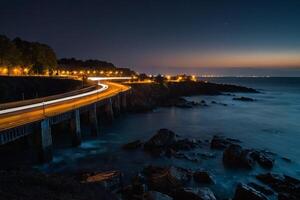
[(154, 35)]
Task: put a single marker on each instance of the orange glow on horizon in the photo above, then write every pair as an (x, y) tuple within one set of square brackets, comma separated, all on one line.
[(234, 59)]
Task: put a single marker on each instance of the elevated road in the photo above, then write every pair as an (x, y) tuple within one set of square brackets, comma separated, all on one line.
[(21, 115)]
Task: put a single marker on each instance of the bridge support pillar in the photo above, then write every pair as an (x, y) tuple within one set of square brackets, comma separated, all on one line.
[(123, 102), (109, 110), (45, 141), (93, 119), (116, 105), (76, 128)]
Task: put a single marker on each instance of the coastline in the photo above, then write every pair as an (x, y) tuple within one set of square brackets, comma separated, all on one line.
[(143, 93)]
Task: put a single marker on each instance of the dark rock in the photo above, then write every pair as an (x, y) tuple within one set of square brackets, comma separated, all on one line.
[(219, 142), (203, 177), (166, 179), (243, 99), (29, 185), (262, 189), (178, 102), (167, 142), (134, 191), (214, 102), (194, 194), (245, 192), (154, 195), (235, 156), (185, 144), (286, 185), (263, 159), (163, 139), (110, 179), (132, 145), (286, 159)]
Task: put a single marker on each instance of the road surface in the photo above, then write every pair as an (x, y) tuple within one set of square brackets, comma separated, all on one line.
[(15, 117)]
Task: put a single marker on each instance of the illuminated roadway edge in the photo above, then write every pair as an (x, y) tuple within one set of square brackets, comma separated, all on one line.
[(11, 110)]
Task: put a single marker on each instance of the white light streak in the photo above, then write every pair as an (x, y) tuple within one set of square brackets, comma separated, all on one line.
[(36, 105)]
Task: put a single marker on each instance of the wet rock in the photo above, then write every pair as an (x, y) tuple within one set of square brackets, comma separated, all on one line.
[(132, 145), (109, 179), (185, 144), (260, 188), (245, 192), (214, 102), (285, 185), (134, 191), (235, 156), (263, 159), (162, 140), (166, 179), (243, 99), (286, 159), (154, 195), (194, 194), (166, 141), (29, 184), (203, 177), (219, 142), (178, 102)]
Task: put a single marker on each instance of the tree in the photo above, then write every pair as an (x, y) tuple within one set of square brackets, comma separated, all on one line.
[(10, 56)]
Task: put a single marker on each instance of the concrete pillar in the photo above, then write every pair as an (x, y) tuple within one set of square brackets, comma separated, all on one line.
[(123, 102), (45, 141), (93, 119), (109, 111), (116, 105), (76, 128)]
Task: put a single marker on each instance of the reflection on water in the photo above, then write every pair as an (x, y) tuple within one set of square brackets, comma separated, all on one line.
[(271, 122)]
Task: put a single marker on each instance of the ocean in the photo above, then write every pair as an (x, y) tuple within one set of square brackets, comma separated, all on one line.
[(272, 123)]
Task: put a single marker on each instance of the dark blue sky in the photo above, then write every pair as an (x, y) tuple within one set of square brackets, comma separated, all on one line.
[(144, 34)]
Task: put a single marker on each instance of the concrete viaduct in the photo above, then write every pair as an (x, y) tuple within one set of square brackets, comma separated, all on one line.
[(37, 117)]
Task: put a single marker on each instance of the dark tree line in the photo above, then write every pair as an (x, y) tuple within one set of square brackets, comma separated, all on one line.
[(86, 64), (91, 64), (35, 57)]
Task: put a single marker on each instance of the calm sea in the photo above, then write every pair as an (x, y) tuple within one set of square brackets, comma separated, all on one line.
[(272, 123)]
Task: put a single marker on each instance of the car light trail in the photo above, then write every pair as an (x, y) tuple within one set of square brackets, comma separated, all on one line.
[(108, 78), (11, 110)]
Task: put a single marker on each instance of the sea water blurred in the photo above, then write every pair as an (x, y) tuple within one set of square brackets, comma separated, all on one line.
[(272, 122)]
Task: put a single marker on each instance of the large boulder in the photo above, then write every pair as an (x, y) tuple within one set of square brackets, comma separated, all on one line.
[(166, 141), (166, 179), (203, 177), (287, 187), (261, 188), (194, 194), (163, 139), (237, 157), (263, 159), (245, 192), (136, 190)]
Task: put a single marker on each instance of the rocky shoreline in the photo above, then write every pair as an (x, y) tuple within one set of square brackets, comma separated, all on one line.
[(172, 182), (156, 182), (146, 97)]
